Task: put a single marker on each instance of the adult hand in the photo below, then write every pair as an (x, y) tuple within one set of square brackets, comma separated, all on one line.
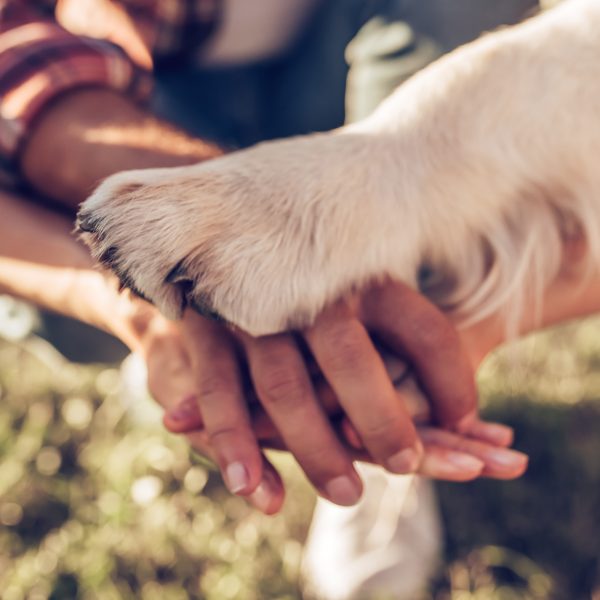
[(353, 372)]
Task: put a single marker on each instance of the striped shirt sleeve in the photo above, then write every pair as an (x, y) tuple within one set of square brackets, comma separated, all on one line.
[(40, 59)]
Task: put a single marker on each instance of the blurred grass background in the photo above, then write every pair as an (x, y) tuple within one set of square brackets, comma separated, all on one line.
[(93, 506)]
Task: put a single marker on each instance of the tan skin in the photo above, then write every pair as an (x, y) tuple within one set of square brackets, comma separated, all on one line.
[(97, 132)]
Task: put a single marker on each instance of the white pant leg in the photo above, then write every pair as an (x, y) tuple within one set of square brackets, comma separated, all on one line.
[(388, 546)]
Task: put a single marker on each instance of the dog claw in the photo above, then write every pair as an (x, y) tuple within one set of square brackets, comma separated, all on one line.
[(178, 274), (86, 224)]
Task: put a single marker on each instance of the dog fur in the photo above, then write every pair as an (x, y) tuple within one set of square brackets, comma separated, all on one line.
[(478, 168)]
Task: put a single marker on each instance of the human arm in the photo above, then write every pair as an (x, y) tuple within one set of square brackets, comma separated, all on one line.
[(89, 134), (51, 49)]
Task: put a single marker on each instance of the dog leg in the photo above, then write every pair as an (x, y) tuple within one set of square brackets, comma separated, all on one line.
[(471, 168)]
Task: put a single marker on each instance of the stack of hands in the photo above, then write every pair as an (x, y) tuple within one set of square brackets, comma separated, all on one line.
[(324, 394)]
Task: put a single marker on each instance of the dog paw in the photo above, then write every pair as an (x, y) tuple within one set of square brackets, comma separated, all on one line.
[(263, 238)]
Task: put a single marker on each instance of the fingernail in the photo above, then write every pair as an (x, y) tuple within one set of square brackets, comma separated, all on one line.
[(405, 461), (495, 433), (262, 497), (507, 459), (452, 465), (236, 477), (463, 462), (500, 434), (343, 490), (185, 410)]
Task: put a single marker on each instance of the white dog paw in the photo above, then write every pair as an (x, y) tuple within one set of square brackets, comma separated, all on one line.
[(263, 238)]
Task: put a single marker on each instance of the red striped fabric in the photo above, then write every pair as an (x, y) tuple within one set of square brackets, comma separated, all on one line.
[(97, 42)]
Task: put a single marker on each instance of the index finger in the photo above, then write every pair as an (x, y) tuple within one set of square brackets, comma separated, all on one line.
[(416, 329)]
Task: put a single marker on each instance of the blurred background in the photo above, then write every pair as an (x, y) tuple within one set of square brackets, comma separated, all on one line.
[(97, 501)]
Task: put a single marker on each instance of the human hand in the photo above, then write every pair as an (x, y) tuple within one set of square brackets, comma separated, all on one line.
[(379, 425), (201, 359), (88, 134)]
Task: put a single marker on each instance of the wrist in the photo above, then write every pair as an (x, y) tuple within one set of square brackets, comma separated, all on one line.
[(574, 294)]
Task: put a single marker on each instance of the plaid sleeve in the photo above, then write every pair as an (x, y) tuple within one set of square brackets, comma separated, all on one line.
[(40, 59)]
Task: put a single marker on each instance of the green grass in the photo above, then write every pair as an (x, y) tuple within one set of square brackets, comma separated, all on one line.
[(92, 506)]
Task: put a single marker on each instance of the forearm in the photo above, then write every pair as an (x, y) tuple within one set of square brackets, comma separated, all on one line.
[(85, 136), (42, 262), (575, 293), (91, 133)]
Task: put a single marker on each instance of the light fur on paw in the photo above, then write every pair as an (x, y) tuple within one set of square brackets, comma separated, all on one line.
[(477, 168)]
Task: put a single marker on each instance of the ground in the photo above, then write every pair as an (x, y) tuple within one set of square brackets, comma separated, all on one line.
[(95, 506)]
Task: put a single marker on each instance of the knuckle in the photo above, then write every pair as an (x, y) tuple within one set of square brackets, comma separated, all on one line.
[(435, 333), (322, 464), (223, 433), (282, 385), (216, 387), (345, 346), (386, 430)]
